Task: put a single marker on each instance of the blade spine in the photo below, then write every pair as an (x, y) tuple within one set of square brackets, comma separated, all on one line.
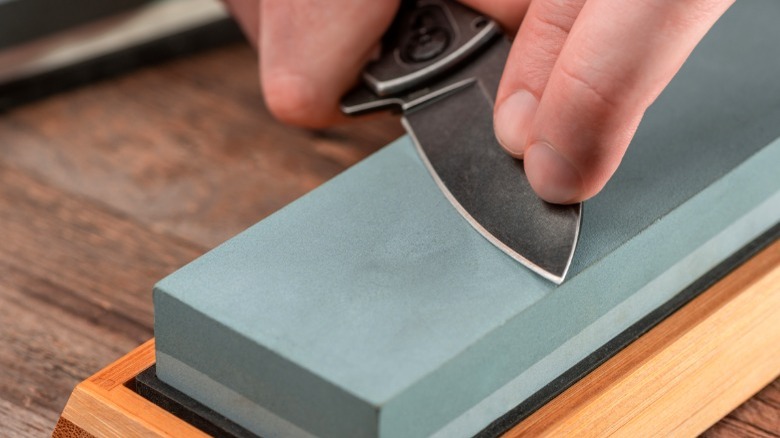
[(479, 228), (438, 94)]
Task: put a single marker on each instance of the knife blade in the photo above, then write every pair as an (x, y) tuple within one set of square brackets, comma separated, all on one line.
[(440, 65)]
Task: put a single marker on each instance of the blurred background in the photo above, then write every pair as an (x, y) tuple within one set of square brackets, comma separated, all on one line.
[(50, 45)]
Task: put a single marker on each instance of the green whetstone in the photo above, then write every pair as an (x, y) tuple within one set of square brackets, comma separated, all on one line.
[(369, 307)]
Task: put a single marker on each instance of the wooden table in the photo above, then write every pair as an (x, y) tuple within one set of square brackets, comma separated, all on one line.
[(106, 189)]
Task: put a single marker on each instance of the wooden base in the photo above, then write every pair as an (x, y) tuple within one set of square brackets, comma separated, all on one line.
[(678, 379), (104, 405)]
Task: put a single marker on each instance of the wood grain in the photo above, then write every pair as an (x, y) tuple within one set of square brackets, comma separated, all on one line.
[(687, 372), (106, 189), (66, 429), (75, 292), (189, 149), (759, 416), (103, 405)]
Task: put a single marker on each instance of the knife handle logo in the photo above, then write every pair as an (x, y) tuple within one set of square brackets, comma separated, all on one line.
[(429, 42)]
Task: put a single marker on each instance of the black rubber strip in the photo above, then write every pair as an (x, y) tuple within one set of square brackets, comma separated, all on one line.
[(188, 409)]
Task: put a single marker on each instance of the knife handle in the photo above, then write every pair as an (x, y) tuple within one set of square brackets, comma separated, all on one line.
[(427, 39)]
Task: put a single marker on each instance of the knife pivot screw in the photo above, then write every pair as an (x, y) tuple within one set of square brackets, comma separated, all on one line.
[(479, 23), (426, 45), (428, 39)]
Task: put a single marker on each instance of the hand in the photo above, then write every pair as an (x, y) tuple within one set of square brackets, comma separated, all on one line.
[(578, 80), (312, 51)]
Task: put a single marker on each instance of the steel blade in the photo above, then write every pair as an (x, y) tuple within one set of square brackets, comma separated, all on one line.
[(454, 136)]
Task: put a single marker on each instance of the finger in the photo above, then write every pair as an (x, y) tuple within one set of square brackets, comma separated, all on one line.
[(246, 13), (531, 60), (311, 53), (508, 13), (616, 61)]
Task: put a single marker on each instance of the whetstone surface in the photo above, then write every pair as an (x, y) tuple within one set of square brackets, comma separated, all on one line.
[(371, 308)]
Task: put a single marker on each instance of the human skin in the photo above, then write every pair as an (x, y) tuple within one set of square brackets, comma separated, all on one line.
[(579, 77)]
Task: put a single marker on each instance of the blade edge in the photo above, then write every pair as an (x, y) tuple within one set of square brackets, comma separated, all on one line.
[(557, 279), (488, 188)]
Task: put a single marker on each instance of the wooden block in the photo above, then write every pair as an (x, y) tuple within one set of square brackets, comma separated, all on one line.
[(677, 379)]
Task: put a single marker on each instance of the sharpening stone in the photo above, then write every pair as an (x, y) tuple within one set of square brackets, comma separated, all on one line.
[(370, 307)]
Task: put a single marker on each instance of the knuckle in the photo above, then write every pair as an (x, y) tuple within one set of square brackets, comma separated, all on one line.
[(556, 17), (595, 85), (292, 104)]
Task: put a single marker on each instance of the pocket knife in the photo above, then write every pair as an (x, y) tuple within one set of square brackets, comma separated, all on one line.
[(440, 65)]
